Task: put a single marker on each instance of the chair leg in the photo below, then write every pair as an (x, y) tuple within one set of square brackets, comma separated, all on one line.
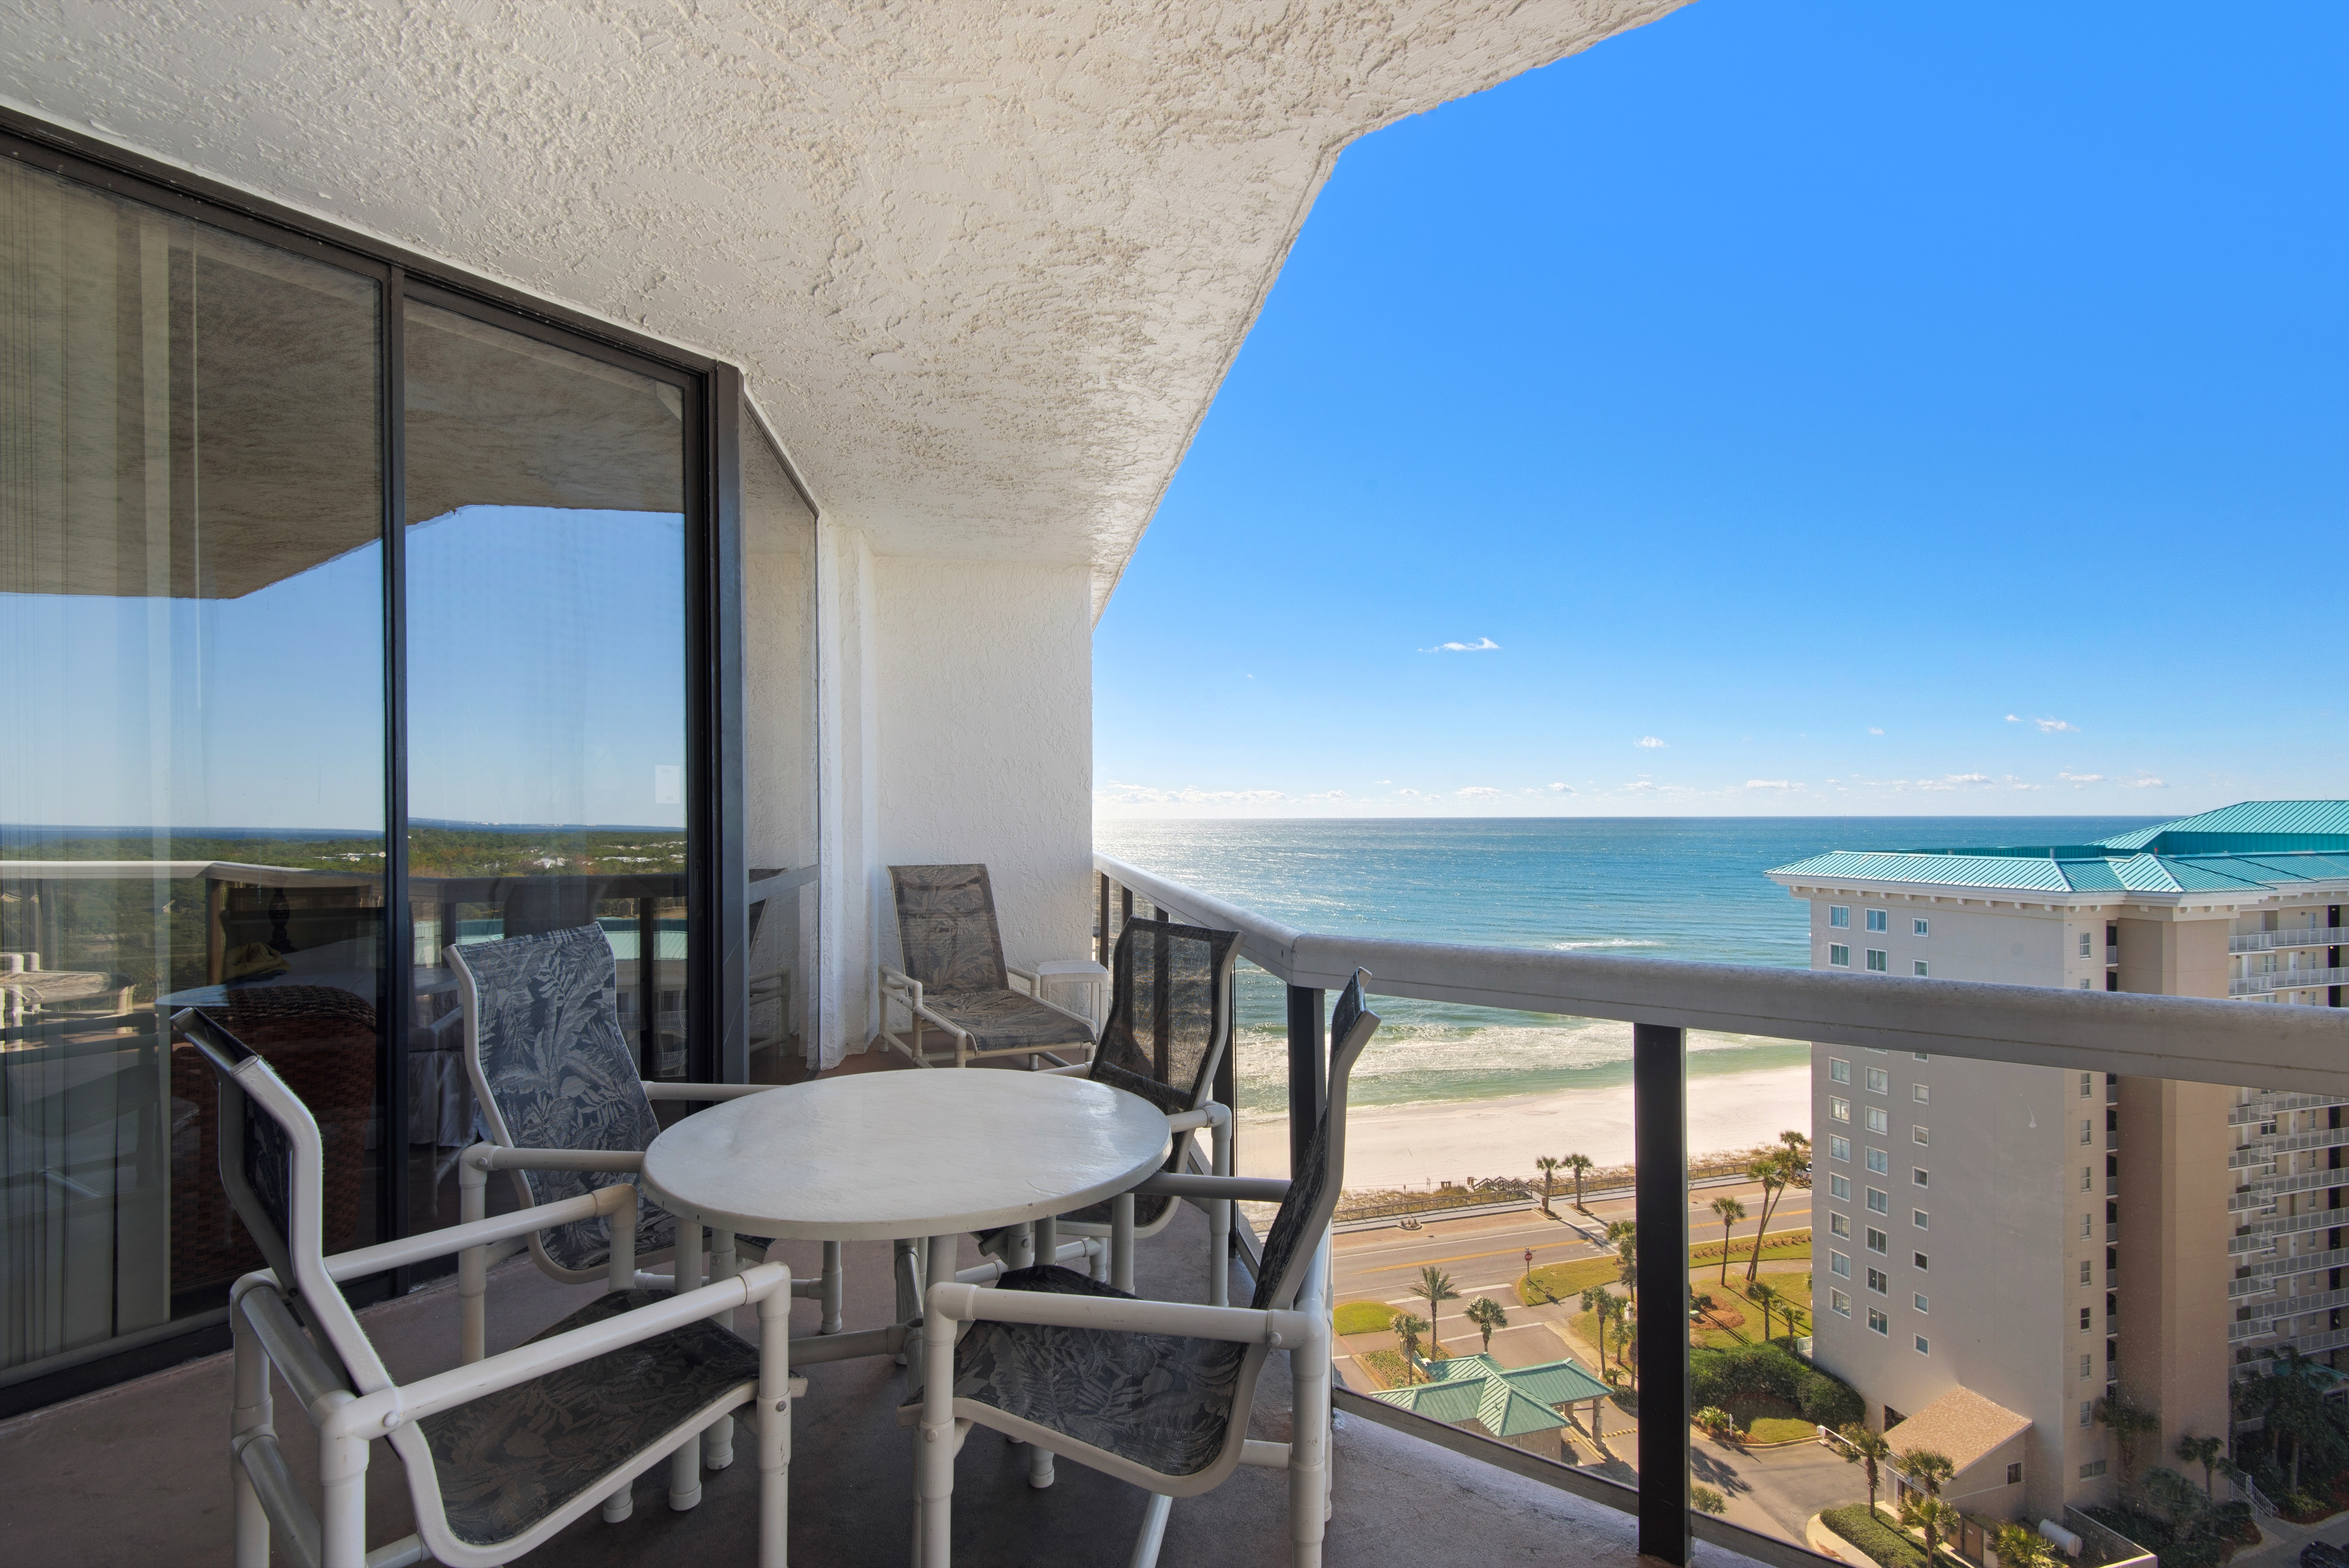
[(685, 1463), (774, 1426), (342, 1497), (1154, 1531), (1040, 1466), (834, 1289), (472, 1266), (251, 1410), (1309, 1449), (1219, 1221), (620, 1504), (907, 1279), (933, 1455)]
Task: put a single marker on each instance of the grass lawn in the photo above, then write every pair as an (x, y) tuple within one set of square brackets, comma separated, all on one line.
[(1767, 1420), (1364, 1318), (1793, 1289), (1567, 1281)]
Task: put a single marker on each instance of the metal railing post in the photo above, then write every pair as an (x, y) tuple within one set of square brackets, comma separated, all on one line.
[(1308, 1072), (1659, 1116)]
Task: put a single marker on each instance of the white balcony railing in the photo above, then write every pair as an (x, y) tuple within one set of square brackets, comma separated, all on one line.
[(2300, 936), (2286, 980)]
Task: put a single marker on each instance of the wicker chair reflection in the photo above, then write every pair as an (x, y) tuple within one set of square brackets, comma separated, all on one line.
[(955, 980), (501, 1453), (1156, 1393), (557, 1082)]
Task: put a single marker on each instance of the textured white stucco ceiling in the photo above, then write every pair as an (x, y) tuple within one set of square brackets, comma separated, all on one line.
[(983, 264)]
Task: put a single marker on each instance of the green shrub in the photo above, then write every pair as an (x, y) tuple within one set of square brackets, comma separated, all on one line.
[(1866, 1529), (1828, 1401)]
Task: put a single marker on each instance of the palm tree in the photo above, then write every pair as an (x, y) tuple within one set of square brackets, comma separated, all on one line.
[(1434, 1287), (1487, 1315), (1763, 1294), (1866, 1449), (1407, 1329), (1775, 1173), (1925, 1468), (1594, 1301), (1548, 1165), (2203, 1451), (1577, 1163), (1935, 1518), (1797, 1144), (1730, 1210), (1625, 1235), (2019, 1546), (2127, 1422), (1704, 1500)]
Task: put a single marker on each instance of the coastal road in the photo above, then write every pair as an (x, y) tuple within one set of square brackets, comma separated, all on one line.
[(1485, 1255)]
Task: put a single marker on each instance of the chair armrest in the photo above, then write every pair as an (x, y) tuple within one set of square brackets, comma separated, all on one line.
[(662, 1088), (496, 1157), (1035, 987), (1208, 1115), (1244, 1189), (1242, 1325), (1073, 1069), (376, 1413), (895, 979), (366, 1260)]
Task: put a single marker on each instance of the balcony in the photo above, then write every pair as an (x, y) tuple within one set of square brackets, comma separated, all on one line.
[(2302, 937), (2286, 980)]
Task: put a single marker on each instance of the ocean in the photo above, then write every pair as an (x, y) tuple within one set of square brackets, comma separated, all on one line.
[(1657, 887)]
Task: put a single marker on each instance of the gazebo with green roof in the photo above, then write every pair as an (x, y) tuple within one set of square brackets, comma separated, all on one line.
[(1522, 1405)]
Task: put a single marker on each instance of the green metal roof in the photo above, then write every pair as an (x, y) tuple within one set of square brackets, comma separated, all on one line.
[(2249, 847), (1506, 1401)]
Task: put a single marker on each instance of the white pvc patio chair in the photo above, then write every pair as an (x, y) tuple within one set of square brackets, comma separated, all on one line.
[(499, 1453), (1156, 1393), (955, 980)]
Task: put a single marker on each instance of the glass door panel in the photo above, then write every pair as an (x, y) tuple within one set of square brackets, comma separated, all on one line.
[(191, 804), (546, 686)]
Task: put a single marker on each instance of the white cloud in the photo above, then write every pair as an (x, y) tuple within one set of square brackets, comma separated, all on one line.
[(1381, 780), (1480, 646), (1649, 743), (1643, 784), (2055, 726), (1328, 795), (1412, 792), (2076, 779), (2147, 782), (1771, 784), (2014, 783), (1477, 792), (1189, 795), (1873, 730), (1563, 789), (2014, 718)]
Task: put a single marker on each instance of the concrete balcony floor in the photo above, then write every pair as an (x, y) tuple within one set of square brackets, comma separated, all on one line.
[(138, 1474)]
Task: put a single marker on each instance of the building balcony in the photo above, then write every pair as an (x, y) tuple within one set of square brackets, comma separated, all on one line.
[(2302, 937), (2286, 980), (2265, 1108)]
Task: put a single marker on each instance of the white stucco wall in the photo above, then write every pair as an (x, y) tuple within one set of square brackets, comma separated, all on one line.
[(985, 687), (847, 839)]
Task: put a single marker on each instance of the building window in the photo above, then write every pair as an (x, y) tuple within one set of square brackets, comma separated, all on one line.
[(1841, 1302), (1878, 1161), (1921, 927), (2087, 1134), (1879, 1081), (1920, 1177), (2086, 986), (1840, 916), (1839, 1070), (1839, 1224), (1840, 1186), (2083, 1320), (1840, 957), (1923, 1304), (1878, 961), (1878, 1241), (1877, 1202), (2087, 1412), (2084, 1271), (1924, 970), (1921, 1260), (1921, 1219), (1878, 920), (2087, 1085), (2092, 1469), (1838, 1107), (1838, 1264), (1924, 1345), (2084, 944), (1839, 1148), (1879, 1322), (1920, 1134), (1878, 1120), (2086, 1221), (1877, 1281), (2084, 1365), (1922, 1093), (2014, 1473)]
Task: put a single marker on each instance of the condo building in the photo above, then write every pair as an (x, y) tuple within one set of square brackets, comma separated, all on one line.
[(2035, 1241)]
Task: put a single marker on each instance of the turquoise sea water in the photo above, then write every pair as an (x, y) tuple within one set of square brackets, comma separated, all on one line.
[(1686, 887)]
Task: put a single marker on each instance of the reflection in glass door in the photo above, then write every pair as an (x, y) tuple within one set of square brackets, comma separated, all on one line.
[(191, 809), (547, 737)]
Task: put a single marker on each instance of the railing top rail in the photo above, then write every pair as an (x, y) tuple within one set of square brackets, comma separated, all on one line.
[(2191, 1038)]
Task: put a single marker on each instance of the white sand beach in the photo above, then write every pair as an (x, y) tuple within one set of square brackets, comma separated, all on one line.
[(1421, 1145)]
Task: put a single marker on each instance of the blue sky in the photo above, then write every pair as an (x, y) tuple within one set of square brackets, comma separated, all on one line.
[(1838, 407)]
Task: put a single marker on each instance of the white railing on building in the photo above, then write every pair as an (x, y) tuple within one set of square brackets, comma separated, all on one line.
[(2300, 936), (2286, 980), (2268, 1106)]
